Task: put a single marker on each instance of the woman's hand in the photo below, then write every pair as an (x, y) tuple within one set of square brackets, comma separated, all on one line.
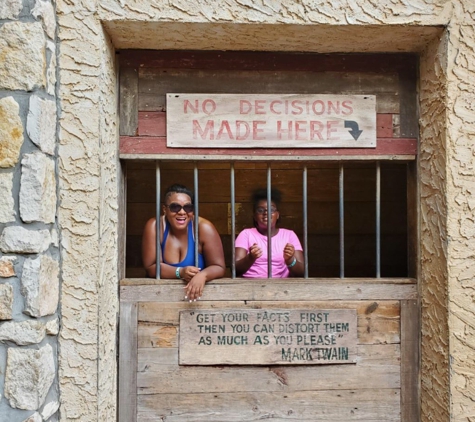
[(187, 273), (194, 288), (289, 252)]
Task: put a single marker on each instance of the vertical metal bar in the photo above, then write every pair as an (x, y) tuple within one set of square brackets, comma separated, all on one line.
[(197, 214), (158, 221), (233, 222), (378, 219), (342, 222), (269, 223), (305, 221)]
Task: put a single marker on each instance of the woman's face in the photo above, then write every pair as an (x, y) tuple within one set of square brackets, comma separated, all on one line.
[(178, 210), (260, 215)]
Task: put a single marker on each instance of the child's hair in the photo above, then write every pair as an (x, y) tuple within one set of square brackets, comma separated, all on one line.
[(261, 193), (176, 188)]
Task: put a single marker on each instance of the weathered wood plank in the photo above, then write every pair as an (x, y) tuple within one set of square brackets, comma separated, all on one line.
[(265, 60), (156, 83), (337, 405), (384, 125), (131, 147), (154, 377), (258, 289), (410, 361), (129, 98), (128, 362)]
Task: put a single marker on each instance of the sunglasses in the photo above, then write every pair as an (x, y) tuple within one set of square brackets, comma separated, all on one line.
[(174, 207), (261, 210)]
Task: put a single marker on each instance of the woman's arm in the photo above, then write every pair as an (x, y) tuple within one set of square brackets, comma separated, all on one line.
[(212, 250)]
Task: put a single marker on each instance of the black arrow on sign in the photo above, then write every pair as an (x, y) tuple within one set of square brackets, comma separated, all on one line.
[(355, 130)]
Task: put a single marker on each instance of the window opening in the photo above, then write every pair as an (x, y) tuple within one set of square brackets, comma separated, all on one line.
[(308, 210)]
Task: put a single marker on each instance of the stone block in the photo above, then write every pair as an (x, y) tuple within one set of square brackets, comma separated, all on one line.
[(22, 333), (35, 417), (22, 49), (29, 375), (40, 286), (52, 327), (17, 239), (11, 128), (45, 10), (51, 72), (6, 301), (38, 189), (7, 211), (41, 123), (50, 409), (10, 9), (7, 268)]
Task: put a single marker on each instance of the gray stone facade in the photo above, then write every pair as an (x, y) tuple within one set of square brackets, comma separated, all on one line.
[(29, 253)]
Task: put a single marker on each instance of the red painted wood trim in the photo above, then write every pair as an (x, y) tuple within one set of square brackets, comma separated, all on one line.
[(158, 145), (384, 125), (152, 123)]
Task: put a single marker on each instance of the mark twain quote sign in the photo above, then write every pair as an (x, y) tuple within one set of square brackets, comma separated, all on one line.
[(271, 121), (262, 337)]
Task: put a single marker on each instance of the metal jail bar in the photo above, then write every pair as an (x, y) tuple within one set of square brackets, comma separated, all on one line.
[(269, 222), (378, 219), (157, 220), (233, 222), (305, 220), (197, 209), (342, 221)]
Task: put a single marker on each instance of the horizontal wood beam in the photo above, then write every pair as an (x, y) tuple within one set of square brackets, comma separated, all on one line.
[(155, 147)]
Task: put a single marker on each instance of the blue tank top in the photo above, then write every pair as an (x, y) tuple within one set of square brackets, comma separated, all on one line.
[(190, 252)]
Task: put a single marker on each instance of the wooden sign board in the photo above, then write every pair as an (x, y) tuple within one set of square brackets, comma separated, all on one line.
[(271, 121), (267, 337)]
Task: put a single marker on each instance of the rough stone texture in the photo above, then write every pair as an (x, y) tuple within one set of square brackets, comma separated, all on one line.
[(35, 417), (7, 268), (461, 213), (52, 327), (7, 211), (49, 409), (6, 301), (44, 9), (11, 129), (22, 48), (435, 352), (23, 333), (40, 286), (51, 72), (41, 123), (17, 239), (38, 189), (29, 376), (10, 9)]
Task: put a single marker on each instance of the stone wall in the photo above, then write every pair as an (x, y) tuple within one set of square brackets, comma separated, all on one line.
[(29, 242)]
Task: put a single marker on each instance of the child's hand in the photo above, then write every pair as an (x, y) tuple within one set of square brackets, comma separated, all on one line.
[(255, 252), (289, 252)]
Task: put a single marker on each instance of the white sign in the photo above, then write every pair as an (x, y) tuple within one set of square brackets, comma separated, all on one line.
[(268, 336), (271, 121)]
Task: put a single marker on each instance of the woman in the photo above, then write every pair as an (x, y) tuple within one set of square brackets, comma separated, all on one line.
[(177, 258), (251, 244)]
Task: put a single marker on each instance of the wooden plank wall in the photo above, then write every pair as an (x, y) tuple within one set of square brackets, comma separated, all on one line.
[(370, 390), (147, 77), (323, 212)]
